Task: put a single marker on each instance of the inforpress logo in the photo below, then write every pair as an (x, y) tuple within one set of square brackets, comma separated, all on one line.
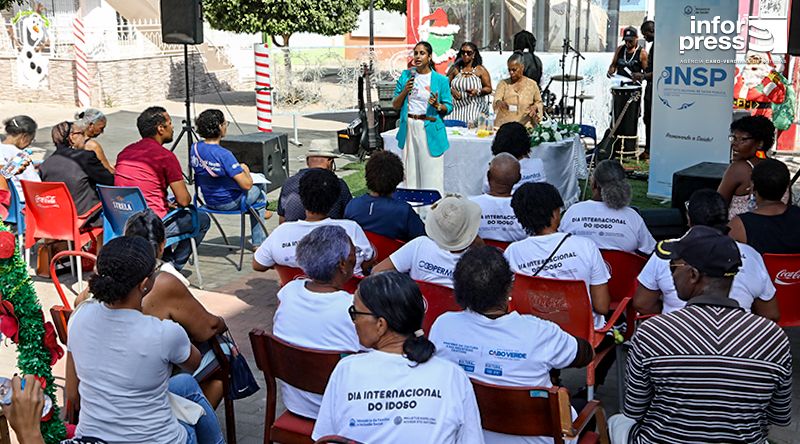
[(712, 34)]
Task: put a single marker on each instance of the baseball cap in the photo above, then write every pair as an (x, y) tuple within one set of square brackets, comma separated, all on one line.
[(704, 248), (453, 222), (630, 33)]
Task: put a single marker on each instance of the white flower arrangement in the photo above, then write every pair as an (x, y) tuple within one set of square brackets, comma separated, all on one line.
[(551, 131)]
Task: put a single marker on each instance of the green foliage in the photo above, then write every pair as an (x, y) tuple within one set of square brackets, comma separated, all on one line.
[(8, 3), (33, 357), (286, 17)]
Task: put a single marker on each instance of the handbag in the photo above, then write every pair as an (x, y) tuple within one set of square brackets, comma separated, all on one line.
[(243, 383), (546, 261)]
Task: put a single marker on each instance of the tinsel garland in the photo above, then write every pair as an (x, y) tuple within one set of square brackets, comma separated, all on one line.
[(33, 358)]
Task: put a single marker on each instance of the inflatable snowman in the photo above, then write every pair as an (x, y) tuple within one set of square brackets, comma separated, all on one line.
[(31, 64)]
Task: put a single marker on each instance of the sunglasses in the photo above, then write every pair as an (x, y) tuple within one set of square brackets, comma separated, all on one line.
[(354, 313), (467, 52)]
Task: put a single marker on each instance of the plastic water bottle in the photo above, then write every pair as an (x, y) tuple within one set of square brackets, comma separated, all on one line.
[(490, 120), (16, 162), (6, 391)]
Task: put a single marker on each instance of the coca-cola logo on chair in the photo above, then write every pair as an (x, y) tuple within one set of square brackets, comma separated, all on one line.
[(46, 201), (786, 277)]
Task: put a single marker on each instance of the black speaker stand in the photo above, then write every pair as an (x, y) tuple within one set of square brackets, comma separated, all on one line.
[(186, 125)]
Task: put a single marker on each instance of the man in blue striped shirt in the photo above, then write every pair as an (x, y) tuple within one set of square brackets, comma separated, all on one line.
[(710, 372)]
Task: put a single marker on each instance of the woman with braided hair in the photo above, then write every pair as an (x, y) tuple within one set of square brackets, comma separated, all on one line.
[(119, 360)]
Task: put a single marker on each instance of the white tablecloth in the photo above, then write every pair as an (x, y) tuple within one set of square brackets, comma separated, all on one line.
[(467, 160)]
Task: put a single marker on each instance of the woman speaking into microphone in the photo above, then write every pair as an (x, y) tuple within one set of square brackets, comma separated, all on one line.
[(423, 97)]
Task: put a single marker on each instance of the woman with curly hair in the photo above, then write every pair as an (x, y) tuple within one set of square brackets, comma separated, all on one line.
[(376, 211), (751, 137), (223, 180)]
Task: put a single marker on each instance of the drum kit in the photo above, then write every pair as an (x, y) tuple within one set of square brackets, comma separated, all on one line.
[(564, 110)]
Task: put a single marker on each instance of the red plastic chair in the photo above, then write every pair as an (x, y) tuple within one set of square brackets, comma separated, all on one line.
[(438, 300), (50, 214), (287, 274), (537, 411), (384, 246), (300, 367), (784, 270), (624, 268), (566, 303), (497, 244), (335, 439)]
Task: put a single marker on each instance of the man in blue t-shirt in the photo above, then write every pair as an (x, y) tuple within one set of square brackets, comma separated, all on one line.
[(376, 211), (222, 179)]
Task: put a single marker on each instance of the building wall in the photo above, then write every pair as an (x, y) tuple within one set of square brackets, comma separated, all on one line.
[(121, 82)]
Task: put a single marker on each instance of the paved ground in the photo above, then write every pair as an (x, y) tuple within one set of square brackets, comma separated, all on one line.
[(247, 299)]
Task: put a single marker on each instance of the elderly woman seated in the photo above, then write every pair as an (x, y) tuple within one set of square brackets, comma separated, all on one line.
[(313, 312), (452, 227), (482, 287), (387, 312), (606, 218)]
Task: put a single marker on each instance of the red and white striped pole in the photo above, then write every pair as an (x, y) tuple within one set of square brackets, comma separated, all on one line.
[(81, 64), (263, 88)]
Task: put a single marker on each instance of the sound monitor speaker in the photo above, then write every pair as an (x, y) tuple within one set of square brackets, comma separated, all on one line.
[(266, 153), (664, 223), (696, 177), (182, 21), (794, 29)]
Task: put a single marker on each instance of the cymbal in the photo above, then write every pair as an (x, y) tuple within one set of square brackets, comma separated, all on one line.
[(566, 78), (584, 97)]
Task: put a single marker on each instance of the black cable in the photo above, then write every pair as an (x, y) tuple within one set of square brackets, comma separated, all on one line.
[(219, 93)]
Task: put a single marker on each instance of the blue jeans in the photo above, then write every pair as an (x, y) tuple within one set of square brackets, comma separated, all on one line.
[(257, 234), (207, 430), (179, 253)]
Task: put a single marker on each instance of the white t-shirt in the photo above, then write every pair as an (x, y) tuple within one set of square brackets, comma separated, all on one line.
[(312, 320), (498, 221), (424, 261), (380, 397), (419, 95), (7, 152), (124, 359), (279, 247), (750, 283), (530, 170), (513, 350), (578, 258), (610, 229)]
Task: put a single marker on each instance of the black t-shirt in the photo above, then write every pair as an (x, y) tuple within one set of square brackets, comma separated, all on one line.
[(81, 171)]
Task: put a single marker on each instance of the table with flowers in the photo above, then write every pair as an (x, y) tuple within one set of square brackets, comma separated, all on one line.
[(467, 160)]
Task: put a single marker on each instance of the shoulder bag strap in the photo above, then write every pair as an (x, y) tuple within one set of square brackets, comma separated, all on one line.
[(546, 261), (202, 162)]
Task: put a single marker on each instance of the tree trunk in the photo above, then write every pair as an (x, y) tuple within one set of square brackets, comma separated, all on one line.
[(287, 64)]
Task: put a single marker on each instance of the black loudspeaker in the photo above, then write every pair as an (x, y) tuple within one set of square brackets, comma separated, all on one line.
[(266, 153), (664, 223), (696, 177), (182, 21), (794, 29)]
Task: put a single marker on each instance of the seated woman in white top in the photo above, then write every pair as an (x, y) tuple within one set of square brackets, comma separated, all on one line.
[(451, 226), (752, 287), (530, 346), (398, 392), (606, 218), (20, 133), (513, 138), (119, 360), (319, 192), (313, 312)]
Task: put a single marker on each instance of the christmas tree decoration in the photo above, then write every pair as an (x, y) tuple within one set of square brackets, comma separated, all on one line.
[(34, 355)]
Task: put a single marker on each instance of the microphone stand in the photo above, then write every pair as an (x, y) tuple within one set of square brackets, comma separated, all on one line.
[(578, 56)]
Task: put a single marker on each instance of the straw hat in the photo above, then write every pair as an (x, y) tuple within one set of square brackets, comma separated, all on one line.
[(453, 223), (322, 148)]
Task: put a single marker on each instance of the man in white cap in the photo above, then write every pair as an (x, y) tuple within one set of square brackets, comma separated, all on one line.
[(451, 227), (321, 154)]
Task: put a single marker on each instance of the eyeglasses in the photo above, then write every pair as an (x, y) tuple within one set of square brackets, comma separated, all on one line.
[(467, 52), (353, 313), (738, 140), (673, 266)]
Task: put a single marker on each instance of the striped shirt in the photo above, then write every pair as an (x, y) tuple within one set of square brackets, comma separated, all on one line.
[(710, 372)]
